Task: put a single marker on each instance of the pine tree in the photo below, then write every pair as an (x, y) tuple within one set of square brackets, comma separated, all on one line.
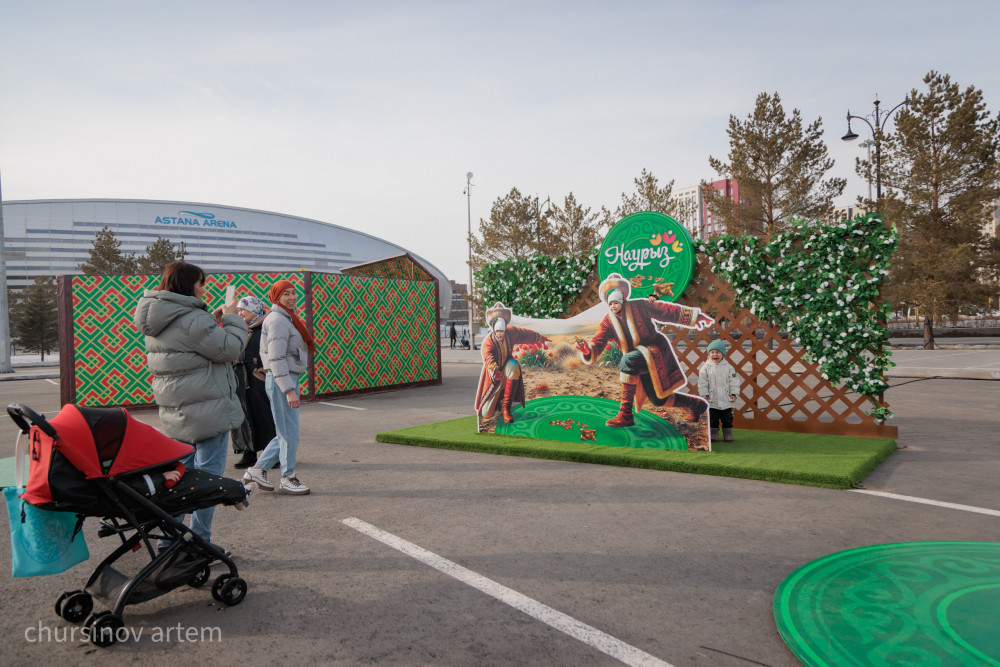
[(34, 317), (779, 167), (575, 227), (942, 173), (106, 257), (516, 229), (648, 196), (159, 254)]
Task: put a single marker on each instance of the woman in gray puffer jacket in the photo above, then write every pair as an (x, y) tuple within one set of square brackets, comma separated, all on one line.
[(191, 357), (285, 346)]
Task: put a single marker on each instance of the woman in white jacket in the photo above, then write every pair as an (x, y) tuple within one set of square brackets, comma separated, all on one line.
[(285, 346)]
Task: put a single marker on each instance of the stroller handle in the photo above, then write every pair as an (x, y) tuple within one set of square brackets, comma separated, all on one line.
[(22, 415)]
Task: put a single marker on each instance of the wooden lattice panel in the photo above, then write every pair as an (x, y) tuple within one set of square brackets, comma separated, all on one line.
[(780, 391), (588, 296)]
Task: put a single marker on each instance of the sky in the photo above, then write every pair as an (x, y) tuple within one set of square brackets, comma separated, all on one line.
[(370, 115)]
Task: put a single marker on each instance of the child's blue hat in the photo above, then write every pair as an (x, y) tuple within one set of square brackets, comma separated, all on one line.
[(717, 345)]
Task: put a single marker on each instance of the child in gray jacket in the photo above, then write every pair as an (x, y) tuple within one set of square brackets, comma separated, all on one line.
[(719, 384)]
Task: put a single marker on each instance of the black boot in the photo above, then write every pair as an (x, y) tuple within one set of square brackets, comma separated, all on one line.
[(249, 459)]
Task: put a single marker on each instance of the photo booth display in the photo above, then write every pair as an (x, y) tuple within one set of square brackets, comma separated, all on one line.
[(610, 375)]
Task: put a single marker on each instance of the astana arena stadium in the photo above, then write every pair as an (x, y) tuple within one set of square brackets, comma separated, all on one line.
[(51, 237)]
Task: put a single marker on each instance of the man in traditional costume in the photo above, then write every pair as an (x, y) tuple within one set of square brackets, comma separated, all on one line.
[(649, 367), (500, 382)]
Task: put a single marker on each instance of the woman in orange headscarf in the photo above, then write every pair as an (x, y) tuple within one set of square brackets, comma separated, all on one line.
[(285, 346)]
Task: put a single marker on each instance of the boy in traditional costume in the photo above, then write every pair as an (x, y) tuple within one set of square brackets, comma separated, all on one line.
[(649, 367), (500, 382)]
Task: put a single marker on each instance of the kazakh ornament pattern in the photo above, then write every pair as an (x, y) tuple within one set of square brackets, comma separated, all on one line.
[(373, 332), (402, 267), (109, 352)]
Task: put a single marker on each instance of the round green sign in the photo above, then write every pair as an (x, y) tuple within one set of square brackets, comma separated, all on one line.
[(653, 252), (911, 603)]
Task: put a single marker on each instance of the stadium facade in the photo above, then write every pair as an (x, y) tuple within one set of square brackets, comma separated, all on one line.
[(50, 237)]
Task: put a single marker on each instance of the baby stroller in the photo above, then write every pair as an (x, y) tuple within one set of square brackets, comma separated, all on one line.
[(100, 462)]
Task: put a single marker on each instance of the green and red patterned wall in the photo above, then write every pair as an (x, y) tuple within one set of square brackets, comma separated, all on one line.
[(371, 334)]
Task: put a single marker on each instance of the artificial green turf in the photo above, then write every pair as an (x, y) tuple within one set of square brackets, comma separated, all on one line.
[(835, 462)]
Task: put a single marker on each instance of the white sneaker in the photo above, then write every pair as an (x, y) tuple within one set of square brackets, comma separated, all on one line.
[(255, 474), (250, 490), (293, 486)]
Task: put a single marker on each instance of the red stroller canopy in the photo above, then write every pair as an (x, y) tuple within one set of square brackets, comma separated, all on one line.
[(104, 442)]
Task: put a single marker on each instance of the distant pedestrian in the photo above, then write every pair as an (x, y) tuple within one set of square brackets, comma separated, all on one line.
[(285, 346), (454, 335), (719, 384)]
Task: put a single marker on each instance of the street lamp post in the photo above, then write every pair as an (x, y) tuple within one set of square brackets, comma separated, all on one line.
[(880, 121), (468, 197), (868, 143), (538, 217), (5, 341)]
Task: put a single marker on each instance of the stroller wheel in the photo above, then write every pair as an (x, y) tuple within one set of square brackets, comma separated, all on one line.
[(74, 606), (200, 577), (229, 590), (61, 600), (103, 627)]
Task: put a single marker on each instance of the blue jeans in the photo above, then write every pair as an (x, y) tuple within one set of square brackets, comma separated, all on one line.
[(208, 455), (285, 444)]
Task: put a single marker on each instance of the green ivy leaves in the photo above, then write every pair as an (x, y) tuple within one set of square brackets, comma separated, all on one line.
[(539, 286), (821, 282)]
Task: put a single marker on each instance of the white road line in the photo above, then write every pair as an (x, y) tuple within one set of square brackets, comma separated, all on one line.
[(51, 381), (591, 636), (338, 405), (952, 355), (928, 501)]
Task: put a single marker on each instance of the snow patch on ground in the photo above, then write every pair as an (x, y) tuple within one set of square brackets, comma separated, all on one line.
[(34, 359)]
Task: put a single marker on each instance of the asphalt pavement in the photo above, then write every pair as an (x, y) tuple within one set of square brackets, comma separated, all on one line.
[(410, 555)]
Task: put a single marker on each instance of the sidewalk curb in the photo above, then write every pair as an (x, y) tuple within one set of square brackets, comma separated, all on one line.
[(945, 373), (12, 377)]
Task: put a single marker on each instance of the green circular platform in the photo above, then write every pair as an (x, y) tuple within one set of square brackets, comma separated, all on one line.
[(535, 419), (923, 604)]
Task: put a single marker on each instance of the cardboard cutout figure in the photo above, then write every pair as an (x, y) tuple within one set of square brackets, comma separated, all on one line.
[(500, 381), (648, 367)]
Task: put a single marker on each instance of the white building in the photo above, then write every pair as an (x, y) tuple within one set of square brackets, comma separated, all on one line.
[(841, 213), (51, 237), (690, 210), (990, 228)]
